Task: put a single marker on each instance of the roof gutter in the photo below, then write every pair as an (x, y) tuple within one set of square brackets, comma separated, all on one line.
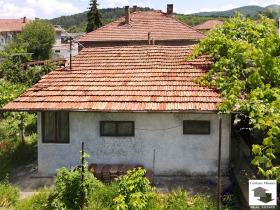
[(115, 111)]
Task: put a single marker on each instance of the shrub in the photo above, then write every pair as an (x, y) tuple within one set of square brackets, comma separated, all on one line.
[(69, 185), (134, 190), (102, 197), (9, 193)]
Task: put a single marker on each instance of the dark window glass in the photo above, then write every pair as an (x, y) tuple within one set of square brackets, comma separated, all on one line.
[(55, 127), (196, 127), (125, 129), (62, 126), (117, 128), (109, 129), (49, 126)]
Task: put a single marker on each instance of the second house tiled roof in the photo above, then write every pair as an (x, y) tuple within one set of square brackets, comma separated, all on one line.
[(208, 25), (161, 26), (135, 78)]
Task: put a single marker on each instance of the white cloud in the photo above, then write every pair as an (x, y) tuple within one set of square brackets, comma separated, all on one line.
[(9, 10), (53, 7), (223, 8), (264, 4), (113, 3), (144, 4)]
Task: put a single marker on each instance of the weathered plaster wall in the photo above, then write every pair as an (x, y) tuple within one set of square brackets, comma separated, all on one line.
[(175, 153)]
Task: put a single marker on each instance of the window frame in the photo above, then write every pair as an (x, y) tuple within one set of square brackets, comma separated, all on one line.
[(196, 133), (56, 141), (117, 122)]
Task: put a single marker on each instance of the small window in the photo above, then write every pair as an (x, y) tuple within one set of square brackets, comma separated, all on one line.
[(196, 127), (55, 127), (117, 128), (57, 51)]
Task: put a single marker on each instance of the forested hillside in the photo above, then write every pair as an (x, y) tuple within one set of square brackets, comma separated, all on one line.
[(247, 11)]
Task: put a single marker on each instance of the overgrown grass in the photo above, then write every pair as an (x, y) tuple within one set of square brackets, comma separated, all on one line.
[(9, 194), (41, 200)]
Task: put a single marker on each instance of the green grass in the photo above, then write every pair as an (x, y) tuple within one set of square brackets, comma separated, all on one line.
[(9, 194)]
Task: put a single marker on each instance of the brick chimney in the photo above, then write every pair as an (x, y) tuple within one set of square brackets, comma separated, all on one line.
[(127, 15), (135, 8), (24, 19), (170, 9)]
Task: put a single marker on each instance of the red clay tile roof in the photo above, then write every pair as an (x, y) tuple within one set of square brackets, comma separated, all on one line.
[(7, 25), (13, 24), (135, 78), (161, 26), (208, 25)]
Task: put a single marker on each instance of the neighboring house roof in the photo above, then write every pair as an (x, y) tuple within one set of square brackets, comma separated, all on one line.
[(16, 25), (7, 25), (34, 63), (208, 25), (135, 78), (161, 26)]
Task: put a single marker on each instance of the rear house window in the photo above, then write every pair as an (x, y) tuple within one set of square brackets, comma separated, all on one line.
[(55, 127), (117, 128), (196, 127)]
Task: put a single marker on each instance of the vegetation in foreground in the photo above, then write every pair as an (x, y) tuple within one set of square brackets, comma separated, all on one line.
[(130, 191), (247, 72)]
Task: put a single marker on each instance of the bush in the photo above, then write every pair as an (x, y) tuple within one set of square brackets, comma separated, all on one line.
[(41, 200), (69, 185), (102, 197), (9, 193), (134, 190)]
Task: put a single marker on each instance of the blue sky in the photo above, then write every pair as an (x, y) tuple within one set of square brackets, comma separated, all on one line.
[(46, 9)]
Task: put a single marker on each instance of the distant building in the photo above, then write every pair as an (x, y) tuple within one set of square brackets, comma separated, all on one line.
[(208, 25), (9, 28), (138, 28)]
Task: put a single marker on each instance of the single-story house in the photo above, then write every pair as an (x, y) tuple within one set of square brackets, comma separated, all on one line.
[(140, 28), (131, 105)]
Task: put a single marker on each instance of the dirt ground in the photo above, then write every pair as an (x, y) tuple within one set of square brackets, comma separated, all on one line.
[(28, 180)]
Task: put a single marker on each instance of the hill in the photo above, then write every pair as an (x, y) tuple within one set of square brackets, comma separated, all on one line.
[(247, 11)]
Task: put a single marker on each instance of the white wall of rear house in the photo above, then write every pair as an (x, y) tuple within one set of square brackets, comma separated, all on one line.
[(175, 153), (5, 37)]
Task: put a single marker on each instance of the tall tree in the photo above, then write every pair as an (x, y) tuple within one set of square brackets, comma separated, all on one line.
[(39, 38), (247, 72), (95, 17)]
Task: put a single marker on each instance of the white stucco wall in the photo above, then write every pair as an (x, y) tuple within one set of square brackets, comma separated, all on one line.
[(5, 37), (175, 153)]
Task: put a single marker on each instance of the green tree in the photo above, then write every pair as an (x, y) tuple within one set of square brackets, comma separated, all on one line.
[(247, 72), (95, 17), (39, 38)]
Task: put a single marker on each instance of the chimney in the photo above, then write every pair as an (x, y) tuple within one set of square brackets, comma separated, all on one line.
[(170, 9), (24, 19), (149, 38), (127, 15), (135, 8)]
